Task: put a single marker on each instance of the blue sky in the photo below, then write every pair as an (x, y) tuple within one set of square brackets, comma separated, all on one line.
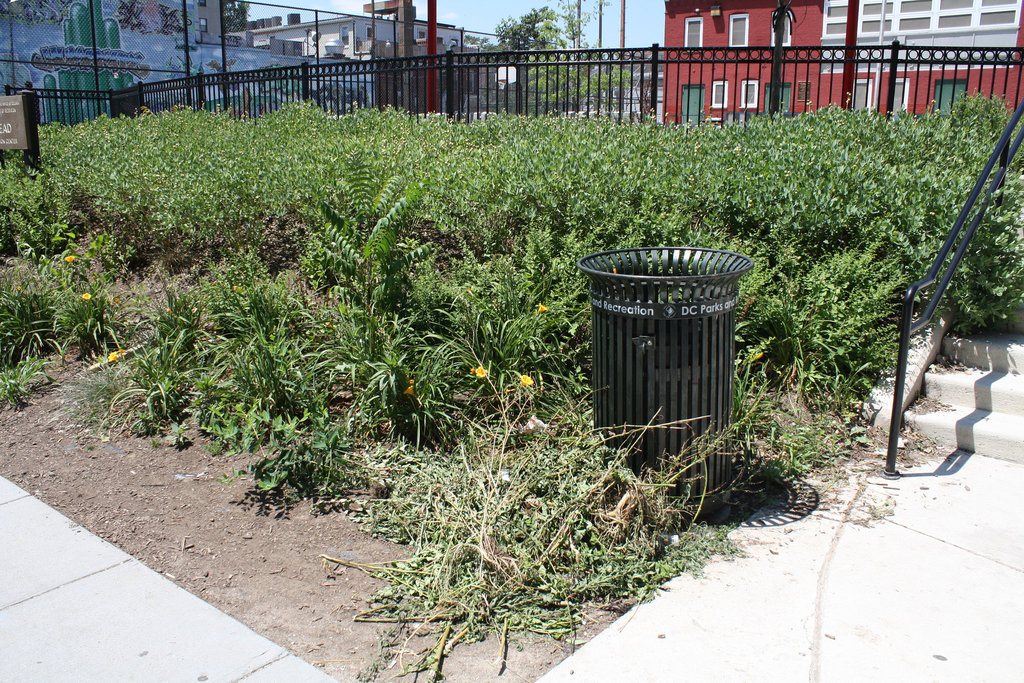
[(645, 19)]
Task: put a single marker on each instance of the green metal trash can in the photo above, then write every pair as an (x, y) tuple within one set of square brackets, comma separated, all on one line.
[(663, 351)]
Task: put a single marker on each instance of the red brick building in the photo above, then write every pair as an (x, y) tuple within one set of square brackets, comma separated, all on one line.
[(717, 56)]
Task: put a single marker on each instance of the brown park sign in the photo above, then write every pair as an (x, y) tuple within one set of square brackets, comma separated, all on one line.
[(14, 128)]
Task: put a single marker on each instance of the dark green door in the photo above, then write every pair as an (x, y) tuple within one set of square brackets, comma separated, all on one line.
[(691, 104), (948, 91), (787, 93)]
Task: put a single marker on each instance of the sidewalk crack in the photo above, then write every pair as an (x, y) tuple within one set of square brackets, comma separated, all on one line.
[(823, 574)]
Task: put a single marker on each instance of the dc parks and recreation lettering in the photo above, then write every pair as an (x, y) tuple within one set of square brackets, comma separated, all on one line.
[(664, 311)]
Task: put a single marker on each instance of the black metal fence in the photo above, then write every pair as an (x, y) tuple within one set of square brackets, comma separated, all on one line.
[(667, 85), (70, 106)]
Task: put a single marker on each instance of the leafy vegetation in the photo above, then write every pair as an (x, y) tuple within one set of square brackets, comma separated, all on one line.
[(392, 303)]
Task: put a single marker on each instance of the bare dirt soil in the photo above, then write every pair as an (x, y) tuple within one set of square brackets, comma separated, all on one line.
[(251, 556)]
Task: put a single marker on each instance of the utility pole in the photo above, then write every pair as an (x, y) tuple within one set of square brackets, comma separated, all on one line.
[(779, 19), (850, 68), (579, 24), (432, 50), (622, 26)]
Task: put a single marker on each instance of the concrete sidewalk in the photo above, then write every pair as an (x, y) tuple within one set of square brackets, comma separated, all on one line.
[(75, 608), (920, 579)]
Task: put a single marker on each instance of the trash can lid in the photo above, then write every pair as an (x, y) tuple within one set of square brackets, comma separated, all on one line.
[(666, 265)]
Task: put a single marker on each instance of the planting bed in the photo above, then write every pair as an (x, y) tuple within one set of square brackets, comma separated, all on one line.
[(247, 554), (383, 315)]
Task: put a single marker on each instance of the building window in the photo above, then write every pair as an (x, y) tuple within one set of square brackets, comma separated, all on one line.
[(202, 25), (862, 94), (421, 35), (694, 33), (748, 95), (719, 94), (900, 100), (369, 32), (202, 3), (738, 30), (787, 34)]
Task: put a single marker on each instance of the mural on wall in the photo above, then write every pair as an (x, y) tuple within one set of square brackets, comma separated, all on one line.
[(49, 43)]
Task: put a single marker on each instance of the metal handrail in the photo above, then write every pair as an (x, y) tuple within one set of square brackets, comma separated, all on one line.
[(1002, 155)]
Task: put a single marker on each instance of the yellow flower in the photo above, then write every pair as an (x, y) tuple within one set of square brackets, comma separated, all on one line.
[(70, 258), (526, 380), (758, 357), (479, 372), (408, 390), (236, 288), (86, 296), (541, 308), (113, 357)]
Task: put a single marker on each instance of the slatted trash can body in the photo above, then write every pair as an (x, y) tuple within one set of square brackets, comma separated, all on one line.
[(663, 350)]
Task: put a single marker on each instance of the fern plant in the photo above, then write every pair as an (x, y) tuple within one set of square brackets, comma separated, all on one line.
[(359, 258)]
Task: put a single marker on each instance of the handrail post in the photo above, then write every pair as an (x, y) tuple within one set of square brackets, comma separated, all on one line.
[(304, 71), (890, 96), (899, 387)]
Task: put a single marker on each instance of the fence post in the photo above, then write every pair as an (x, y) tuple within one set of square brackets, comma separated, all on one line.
[(140, 96), (223, 57), (200, 92), (316, 33), (304, 73), (449, 82), (890, 95), (185, 23), (95, 56), (31, 102), (655, 65)]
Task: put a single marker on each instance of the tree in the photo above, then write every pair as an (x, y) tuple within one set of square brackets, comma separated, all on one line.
[(236, 16), (536, 30), (481, 42)]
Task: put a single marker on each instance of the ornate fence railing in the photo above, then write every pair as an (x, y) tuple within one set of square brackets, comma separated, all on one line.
[(681, 86)]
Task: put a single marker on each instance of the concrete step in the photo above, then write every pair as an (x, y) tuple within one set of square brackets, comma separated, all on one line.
[(1017, 325), (977, 431), (1001, 351), (1014, 324), (993, 391)]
